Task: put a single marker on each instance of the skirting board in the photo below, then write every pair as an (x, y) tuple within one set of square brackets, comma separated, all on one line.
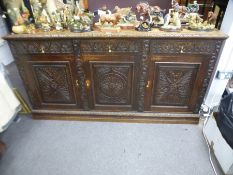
[(129, 117)]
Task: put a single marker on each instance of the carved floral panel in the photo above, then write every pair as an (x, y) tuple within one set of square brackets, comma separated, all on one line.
[(54, 83), (113, 84), (174, 84)]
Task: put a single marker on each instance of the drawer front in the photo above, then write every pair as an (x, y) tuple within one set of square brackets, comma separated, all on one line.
[(182, 46), (110, 46), (41, 47)]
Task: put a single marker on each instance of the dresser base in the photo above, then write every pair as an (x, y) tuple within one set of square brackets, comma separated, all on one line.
[(130, 117)]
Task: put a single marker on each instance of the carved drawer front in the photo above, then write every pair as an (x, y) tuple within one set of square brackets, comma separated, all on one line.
[(175, 82), (183, 46), (42, 47), (110, 46)]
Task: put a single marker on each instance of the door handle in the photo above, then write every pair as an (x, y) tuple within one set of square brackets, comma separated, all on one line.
[(88, 83), (77, 83), (148, 84)]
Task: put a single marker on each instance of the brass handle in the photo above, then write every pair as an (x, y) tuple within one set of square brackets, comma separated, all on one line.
[(42, 50), (109, 49), (88, 83), (148, 84), (182, 49), (77, 83)]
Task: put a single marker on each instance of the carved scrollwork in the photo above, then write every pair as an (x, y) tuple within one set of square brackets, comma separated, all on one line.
[(40, 46), (182, 46), (143, 74), (98, 46), (212, 63), (81, 75)]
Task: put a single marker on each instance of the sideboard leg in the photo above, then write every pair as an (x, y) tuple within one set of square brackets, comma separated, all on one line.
[(2, 147)]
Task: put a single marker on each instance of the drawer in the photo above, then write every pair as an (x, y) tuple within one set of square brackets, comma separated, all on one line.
[(110, 46), (182, 46), (41, 47)]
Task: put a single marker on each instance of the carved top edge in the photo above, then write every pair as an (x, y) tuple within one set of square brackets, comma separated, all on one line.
[(155, 33)]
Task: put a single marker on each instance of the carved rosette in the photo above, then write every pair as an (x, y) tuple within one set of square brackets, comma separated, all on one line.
[(143, 74), (111, 84), (212, 63), (81, 74)]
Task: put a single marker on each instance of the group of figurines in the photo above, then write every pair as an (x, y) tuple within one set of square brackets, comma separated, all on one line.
[(56, 15)]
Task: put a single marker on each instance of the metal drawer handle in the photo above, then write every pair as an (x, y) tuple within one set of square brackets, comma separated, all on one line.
[(109, 49), (42, 50), (182, 49)]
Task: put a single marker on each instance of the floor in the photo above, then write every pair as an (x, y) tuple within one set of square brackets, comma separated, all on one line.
[(96, 148)]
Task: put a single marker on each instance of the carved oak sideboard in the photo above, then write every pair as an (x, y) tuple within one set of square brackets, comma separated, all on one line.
[(127, 76)]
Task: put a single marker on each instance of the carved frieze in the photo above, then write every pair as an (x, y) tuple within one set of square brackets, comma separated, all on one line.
[(80, 75), (144, 64), (109, 46), (182, 46), (212, 63), (41, 47)]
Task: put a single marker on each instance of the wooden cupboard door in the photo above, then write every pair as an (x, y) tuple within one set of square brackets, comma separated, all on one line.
[(52, 79), (175, 82), (110, 82)]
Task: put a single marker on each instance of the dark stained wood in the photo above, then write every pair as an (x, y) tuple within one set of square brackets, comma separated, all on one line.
[(117, 118), (127, 71), (111, 81), (174, 82), (52, 79)]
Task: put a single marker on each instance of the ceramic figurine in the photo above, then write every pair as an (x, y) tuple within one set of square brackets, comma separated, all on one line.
[(182, 10), (128, 18), (172, 21), (107, 20), (193, 8), (143, 9), (18, 14), (81, 21), (39, 8), (157, 16), (150, 16), (196, 22)]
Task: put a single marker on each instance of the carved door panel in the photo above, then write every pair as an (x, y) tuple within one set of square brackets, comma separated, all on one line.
[(52, 80), (110, 82), (175, 83)]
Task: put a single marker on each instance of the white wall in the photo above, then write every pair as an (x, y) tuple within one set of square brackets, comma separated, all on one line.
[(217, 86), (5, 53)]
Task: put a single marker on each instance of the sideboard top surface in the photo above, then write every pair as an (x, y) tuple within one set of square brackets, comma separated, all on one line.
[(155, 33)]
